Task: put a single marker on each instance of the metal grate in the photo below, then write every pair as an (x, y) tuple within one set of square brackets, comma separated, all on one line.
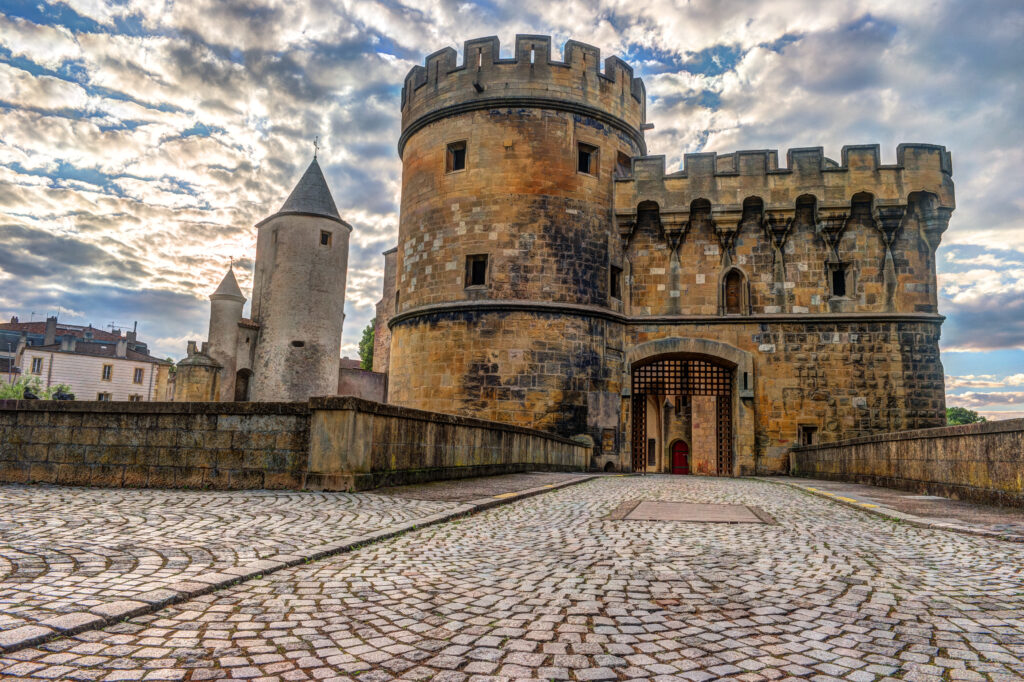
[(682, 377)]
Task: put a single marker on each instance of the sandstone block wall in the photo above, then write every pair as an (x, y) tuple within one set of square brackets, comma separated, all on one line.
[(976, 462), (158, 445), (355, 444)]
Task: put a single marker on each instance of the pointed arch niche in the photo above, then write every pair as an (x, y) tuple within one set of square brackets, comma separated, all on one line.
[(733, 292)]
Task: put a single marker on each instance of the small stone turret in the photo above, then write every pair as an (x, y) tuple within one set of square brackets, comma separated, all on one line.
[(226, 305), (299, 294)]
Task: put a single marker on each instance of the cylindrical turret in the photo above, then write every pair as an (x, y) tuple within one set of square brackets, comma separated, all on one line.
[(226, 305), (299, 294), (506, 273)]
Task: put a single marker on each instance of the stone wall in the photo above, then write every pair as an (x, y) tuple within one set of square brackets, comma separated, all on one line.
[(356, 444), (363, 383), (328, 444), (158, 445), (977, 462)]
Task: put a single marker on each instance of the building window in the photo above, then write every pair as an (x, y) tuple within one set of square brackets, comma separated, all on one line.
[(325, 238), (37, 365), (137, 376), (623, 166), (108, 372), (134, 398), (455, 159), (652, 454), (616, 282), (807, 435), (103, 397), (839, 276), (733, 293), (476, 270), (586, 159)]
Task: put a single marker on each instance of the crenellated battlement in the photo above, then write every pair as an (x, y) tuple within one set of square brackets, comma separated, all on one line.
[(727, 180), (444, 87)]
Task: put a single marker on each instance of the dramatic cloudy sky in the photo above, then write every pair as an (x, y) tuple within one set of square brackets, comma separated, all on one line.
[(140, 141)]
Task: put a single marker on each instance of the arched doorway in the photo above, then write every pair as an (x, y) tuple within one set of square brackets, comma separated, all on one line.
[(706, 387), (680, 457), (242, 379)]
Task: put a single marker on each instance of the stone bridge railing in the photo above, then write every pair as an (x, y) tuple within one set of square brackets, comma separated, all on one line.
[(977, 462)]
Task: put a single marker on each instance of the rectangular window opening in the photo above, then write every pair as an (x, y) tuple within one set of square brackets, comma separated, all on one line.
[(325, 238), (476, 270), (623, 166), (652, 454), (455, 159), (108, 372), (807, 435), (103, 397), (137, 376), (616, 282), (586, 159), (37, 365), (838, 273)]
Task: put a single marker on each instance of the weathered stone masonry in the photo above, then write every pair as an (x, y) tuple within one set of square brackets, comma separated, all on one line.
[(323, 444), (817, 277)]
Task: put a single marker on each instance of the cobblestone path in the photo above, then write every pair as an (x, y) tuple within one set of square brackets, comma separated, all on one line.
[(66, 550), (549, 588)]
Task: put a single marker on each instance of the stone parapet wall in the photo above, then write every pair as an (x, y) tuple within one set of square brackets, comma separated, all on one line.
[(977, 462), (326, 444), (357, 444), (157, 445)]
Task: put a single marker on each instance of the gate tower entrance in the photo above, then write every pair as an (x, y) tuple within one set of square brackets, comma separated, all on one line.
[(699, 392)]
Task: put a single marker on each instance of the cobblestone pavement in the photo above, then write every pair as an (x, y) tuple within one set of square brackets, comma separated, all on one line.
[(65, 550), (549, 588), (999, 520)]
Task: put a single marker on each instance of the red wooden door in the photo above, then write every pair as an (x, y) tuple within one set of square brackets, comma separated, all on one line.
[(680, 458)]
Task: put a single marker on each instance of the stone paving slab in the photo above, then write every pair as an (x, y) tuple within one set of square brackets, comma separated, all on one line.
[(929, 511), (550, 588), (73, 559)]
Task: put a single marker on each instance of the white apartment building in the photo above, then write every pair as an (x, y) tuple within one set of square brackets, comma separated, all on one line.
[(97, 370)]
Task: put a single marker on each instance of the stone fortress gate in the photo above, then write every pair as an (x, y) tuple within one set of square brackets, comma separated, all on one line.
[(550, 273)]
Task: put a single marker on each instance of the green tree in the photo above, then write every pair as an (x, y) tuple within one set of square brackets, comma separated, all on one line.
[(16, 390), (366, 347), (961, 415)]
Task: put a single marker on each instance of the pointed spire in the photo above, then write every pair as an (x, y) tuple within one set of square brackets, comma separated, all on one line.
[(228, 288), (311, 195)]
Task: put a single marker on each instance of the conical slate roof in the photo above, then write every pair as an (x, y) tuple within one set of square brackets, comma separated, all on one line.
[(311, 195), (229, 287)]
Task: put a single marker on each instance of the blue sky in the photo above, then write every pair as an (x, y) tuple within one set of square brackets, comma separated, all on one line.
[(141, 141)]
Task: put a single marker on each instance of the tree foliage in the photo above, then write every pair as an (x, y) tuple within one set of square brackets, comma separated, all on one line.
[(961, 415), (366, 348), (16, 390)]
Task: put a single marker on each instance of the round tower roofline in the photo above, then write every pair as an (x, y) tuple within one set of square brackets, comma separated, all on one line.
[(311, 196), (228, 288), (531, 79)]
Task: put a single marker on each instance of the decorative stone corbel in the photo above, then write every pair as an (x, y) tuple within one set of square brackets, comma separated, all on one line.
[(776, 225), (829, 224), (888, 220), (674, 227), (626, 224), (725, 223)]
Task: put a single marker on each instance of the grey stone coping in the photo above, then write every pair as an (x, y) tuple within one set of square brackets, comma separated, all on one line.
[(349, 402), (981, 428), (124, 407)]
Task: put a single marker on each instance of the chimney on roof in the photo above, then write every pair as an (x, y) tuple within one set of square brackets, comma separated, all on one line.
[(68, 343), (122, 348), (51, 331), (191, 348)]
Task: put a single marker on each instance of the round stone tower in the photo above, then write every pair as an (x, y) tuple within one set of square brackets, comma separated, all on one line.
[(299, 294), (226, 305), (507, 279)]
